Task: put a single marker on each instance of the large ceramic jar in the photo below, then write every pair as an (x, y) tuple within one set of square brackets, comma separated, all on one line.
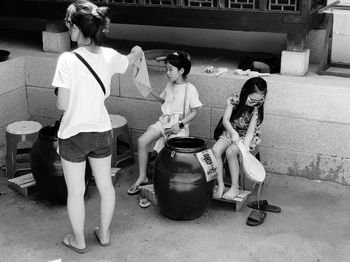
[(179, 180), (47, 167)]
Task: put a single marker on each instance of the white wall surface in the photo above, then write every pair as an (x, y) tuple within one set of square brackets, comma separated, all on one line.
[(341, 34)]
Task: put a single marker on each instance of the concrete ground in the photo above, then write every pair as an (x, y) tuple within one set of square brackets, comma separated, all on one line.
[(313, 226)]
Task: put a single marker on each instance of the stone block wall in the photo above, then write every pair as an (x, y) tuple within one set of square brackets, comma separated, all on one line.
[(305, 130), (13, 98)]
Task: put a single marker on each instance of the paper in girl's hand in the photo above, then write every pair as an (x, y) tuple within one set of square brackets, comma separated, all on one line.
[(167, 132), (141, 78)]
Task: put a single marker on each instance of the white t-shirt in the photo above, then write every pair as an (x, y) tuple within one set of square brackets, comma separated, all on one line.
[(174, 95), (86, 110)]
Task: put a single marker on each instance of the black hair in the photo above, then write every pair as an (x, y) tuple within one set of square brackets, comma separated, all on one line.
[(180, 60), (92, 20), (252, 85)]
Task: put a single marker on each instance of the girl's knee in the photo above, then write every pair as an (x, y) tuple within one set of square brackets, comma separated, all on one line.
[(215, 151), (232, 151), (76, 192), (106, 188)]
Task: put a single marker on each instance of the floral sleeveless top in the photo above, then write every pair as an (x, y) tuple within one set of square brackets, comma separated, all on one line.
[(241, 125)]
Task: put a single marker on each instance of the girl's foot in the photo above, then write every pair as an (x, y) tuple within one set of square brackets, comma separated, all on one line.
[(219, 191), (141, 181), (103, 239), (69, 241), (231, 194), (135, 188)]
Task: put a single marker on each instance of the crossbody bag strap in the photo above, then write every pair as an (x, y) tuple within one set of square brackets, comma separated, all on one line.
[(185, 98), (92, 71)]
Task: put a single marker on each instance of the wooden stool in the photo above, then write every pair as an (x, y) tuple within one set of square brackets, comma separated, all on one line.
[(242, 178), (239, 200), (120, 128), (24, 132)]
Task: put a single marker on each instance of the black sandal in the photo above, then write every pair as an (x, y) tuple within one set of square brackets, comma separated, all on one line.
[(256, 217)]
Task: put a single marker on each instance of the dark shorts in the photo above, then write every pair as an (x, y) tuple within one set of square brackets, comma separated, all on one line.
[(86, 144)]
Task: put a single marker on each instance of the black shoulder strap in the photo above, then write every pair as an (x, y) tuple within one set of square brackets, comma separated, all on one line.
[(91, 70)]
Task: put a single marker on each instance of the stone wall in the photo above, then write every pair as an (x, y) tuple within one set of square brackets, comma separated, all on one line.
[(13, 98), (305, 130)]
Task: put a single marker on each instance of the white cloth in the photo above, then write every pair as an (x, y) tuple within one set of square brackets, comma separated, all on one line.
[(173, 107), (86, 110), (141, 78)]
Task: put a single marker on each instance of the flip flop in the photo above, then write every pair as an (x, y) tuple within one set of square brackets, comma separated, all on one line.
[(134, 189), (96, 230), (256, 217), (78, 250), (265, 206), (144, 202)]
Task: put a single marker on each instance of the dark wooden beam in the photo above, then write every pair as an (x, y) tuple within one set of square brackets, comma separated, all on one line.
[(239, 20)]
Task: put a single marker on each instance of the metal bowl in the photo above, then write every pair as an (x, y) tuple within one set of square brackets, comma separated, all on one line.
[(4, 55)]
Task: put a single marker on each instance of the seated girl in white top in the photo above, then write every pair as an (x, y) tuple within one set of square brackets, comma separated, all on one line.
[(180, 106)]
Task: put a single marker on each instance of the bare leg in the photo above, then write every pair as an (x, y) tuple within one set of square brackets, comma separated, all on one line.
[(101, 168), (218, 149), (149, 136), (232, 157), (74, 174)]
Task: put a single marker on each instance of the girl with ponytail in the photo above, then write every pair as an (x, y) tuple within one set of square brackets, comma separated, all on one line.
[(85, 129)]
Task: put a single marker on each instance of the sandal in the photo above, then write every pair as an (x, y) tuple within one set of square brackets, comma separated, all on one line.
[(256, 217), (69, 245), (144, 202), (134, 189), (264, 205), (96, 233)]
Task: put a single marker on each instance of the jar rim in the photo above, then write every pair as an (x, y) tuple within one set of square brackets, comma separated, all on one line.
[(186, 144)]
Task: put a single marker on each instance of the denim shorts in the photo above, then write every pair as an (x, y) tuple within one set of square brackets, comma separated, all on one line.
[(86, 144)]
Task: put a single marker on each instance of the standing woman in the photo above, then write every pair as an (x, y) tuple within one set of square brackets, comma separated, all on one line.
[(85, 130)]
